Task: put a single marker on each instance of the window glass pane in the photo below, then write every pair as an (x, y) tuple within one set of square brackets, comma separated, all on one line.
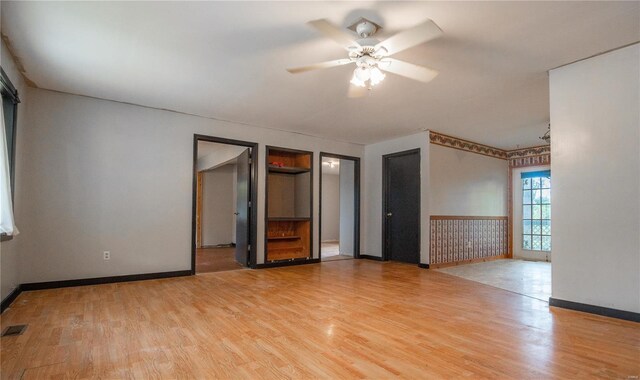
[(526, 183), (546, 243), (536, 243), (526, 197), (536, 212), (545, 196), (536, 227), (526, 212), (546, 183), (526, 226), (536, 196), (546, 227), (526, 242), (546, 211), (536, 182)]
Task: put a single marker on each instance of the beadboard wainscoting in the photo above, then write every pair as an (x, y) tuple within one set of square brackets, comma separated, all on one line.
[(465, 239)]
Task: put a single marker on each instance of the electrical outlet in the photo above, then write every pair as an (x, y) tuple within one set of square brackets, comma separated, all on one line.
[(106, 255)]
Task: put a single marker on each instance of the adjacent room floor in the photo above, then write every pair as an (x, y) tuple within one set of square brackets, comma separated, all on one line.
[(376, 320), (216, 260), (529, 278), (331, 251)]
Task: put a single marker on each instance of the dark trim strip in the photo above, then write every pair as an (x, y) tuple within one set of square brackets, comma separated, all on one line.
[(277, 264), (8, 300), (253, 191), (356, 197), (423, 266), (369, 257), (593, 309), (103, 280), (461, 217)]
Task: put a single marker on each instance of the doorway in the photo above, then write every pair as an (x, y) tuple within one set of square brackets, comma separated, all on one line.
[(224, 214), (339, 207), (401, 206)]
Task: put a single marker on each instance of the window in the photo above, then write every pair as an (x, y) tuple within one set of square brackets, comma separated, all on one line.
[(10, 102), (536, 211), (8, 116)]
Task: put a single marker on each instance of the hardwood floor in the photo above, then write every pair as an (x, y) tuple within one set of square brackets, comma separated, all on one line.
[(216, 260), (345, 319), (530, 278)]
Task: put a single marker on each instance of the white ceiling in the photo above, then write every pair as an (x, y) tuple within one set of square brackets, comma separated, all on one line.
[(227, 60)]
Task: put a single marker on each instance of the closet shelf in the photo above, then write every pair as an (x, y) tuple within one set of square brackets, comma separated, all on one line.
[(288, 219), (287, 249), (288, 169), (283, 237)]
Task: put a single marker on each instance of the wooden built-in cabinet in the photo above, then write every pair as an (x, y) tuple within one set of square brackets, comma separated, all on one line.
[(289, 205)]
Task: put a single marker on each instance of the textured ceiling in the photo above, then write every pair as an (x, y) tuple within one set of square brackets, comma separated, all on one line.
[(227, 60)]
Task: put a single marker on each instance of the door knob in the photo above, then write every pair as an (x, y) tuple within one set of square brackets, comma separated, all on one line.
[(389, 214), (236, 213)]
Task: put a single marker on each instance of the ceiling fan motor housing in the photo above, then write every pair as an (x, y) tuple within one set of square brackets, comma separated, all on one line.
[(366, 29)]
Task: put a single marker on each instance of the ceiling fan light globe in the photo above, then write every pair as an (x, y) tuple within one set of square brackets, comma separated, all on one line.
[(363, 73), (377, 76), (357, 82)]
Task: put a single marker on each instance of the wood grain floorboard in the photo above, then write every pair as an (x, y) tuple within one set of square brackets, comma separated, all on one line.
[(346, 319)]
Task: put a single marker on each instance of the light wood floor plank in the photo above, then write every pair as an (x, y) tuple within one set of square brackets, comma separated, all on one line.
[(347, 319)]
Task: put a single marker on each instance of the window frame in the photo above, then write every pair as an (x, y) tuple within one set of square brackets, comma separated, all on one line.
[(10, 93), (541, 219)]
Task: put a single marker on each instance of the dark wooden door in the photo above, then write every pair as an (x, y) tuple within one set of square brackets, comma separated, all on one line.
[(243, 167), (401, 206)]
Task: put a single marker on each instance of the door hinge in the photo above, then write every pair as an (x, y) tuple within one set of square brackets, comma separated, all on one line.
[(248, 247), (249, 204)]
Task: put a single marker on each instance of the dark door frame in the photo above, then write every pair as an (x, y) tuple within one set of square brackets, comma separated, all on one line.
[(385, 202), (253, 194), (356, 211)]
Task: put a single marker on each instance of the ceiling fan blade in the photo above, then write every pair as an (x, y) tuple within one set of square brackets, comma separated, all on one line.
[(409, 38), (357, 91), (331, 31), (406, 69), (321, 65)]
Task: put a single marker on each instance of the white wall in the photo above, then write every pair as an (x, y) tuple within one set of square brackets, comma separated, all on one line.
[(218, 205), (347, 207), (330, 207), (467, 184), (9, 257), (518, 252), (104, 175), (220, 154), (372, 194), (595, 136)]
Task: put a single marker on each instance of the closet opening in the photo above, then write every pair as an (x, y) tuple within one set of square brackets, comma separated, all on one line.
[(339, 207), (224, 209)]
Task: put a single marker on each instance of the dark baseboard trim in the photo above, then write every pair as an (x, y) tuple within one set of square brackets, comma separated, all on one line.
[(593, 309), (6, 302), (286, 263), (102, 280), (424, 266), (369, 257)]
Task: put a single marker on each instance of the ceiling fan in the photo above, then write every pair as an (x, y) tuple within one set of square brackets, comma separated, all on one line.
[(372, 56)]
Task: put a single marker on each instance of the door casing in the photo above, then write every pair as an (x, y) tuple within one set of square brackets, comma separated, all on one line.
[(356, 188), (386, 254), (253, 178)]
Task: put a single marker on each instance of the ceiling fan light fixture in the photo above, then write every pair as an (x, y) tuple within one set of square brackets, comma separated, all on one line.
[(377, 76), (357, 82), (363, 73)]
